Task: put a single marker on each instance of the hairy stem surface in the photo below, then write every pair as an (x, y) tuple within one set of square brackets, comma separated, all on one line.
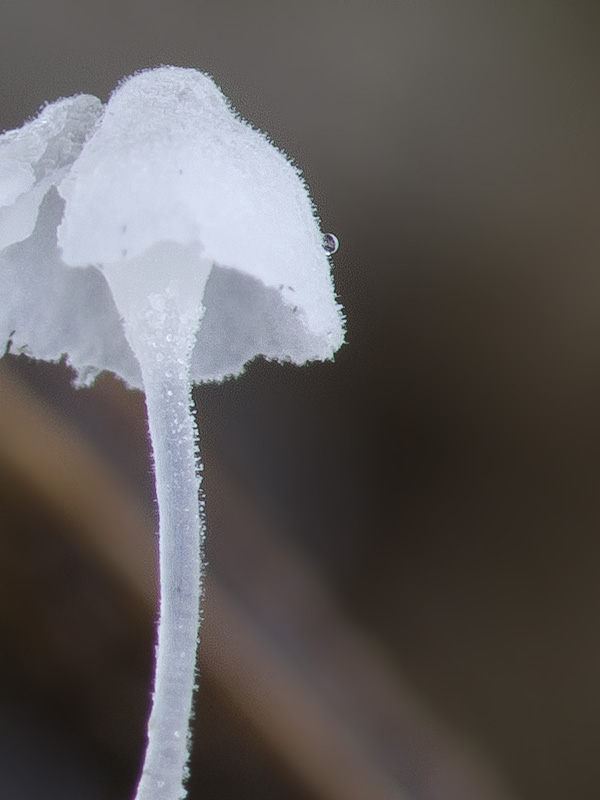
[(181, 531)]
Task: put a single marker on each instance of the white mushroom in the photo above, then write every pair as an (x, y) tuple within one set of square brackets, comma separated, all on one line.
[(198, 249)]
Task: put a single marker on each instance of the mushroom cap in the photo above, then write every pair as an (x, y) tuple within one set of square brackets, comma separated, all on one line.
[(37, 156), (169, 168), (47, 309)]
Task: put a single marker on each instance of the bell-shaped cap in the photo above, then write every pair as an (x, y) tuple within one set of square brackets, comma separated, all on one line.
[(36, 157), (47, 309), (173, 192)]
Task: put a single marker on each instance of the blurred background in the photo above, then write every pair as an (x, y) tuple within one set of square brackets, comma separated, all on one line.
[(403, 597)]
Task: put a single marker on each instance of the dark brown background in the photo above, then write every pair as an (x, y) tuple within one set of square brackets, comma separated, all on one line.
[(437, 487)]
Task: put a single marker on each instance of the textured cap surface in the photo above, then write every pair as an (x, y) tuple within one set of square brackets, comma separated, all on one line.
[(170, 168)]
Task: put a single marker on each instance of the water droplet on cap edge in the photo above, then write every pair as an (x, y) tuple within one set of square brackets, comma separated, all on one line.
[(331, 243)]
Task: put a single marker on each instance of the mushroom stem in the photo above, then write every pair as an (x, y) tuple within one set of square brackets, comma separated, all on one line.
[(173, 433)]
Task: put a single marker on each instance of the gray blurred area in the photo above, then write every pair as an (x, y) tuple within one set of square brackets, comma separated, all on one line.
[(403, 545)]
